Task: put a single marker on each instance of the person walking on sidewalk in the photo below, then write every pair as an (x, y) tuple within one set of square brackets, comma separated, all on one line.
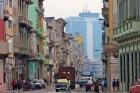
[(105, 85), (14, 84), (114, 84), (117, 84)]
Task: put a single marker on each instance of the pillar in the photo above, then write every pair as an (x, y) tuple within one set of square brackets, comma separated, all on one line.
[(126, 71), (130, 68)]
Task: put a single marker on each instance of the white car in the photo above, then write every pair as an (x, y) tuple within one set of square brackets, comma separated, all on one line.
[(43, 84), (83, 80), (37, 84)]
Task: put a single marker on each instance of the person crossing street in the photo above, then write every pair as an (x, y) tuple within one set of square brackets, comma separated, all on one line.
[(68, 86)]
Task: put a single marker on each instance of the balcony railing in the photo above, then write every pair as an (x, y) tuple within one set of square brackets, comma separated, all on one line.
[(128, 30), (104, 57), (19, 47), (105, 11), (25, 22)]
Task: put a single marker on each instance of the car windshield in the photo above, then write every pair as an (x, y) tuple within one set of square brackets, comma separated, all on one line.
[(61, 83), (85, 79)]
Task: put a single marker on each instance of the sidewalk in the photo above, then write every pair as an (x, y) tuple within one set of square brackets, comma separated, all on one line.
[(115, 92), (17, 91)]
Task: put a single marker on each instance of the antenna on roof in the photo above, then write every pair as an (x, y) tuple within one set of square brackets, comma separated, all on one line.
[(86, 10)]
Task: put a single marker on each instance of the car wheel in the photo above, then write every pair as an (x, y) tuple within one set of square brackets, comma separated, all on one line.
[(56, 90), (80, 86), (86, 90)]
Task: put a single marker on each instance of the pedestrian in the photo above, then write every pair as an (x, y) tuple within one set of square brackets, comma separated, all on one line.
[(14, 84), (89, 85), (105, 85), (96, 86), (117, 84), (68, 86), (102, 84), (19, 84), (114, 84)]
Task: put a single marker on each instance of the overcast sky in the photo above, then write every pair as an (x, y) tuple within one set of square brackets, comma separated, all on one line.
[(66, 8)]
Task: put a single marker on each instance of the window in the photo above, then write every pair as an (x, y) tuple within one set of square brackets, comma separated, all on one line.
[(10, 3)]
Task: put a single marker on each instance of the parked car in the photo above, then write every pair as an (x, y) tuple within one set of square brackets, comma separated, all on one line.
[(37, 84), (43, 84), (61, 85), (135, 88)]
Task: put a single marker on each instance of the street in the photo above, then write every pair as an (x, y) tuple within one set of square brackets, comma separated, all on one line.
[(50, 89)]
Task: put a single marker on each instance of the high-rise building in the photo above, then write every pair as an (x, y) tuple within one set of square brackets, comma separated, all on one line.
[(88, 25)]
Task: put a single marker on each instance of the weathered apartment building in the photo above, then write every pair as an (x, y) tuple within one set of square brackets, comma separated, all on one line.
[(55, 33), (21, 40), (64, 50)]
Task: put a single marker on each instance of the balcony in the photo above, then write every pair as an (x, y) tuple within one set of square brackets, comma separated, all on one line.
[(4, 50), (40, 11), (39, 32), (127, 31), (19, 48), (105, 11), (24, 22), (104, 57)]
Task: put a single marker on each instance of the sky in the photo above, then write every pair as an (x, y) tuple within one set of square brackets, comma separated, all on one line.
[(66, 8)]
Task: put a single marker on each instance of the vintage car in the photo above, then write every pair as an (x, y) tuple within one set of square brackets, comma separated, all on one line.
[(61, 85), (135, 88)]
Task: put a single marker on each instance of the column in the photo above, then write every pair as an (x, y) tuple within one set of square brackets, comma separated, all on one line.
[(138, 71), (126, 71), (130, 68), (122, 66), (133, 62), (139, 64), (128, 78), (120, 70)]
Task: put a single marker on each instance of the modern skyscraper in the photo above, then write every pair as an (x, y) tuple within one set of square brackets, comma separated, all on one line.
[(88, 25)]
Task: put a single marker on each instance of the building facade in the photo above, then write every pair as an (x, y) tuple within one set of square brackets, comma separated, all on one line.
[(6, 17), (127, 36), (36, 63), (17, 40), (57, 45), (89, 27)]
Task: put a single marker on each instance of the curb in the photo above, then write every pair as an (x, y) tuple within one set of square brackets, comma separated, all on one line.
[(10, 91)]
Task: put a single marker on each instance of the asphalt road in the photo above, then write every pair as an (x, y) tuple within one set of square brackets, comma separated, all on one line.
[(51, 89)]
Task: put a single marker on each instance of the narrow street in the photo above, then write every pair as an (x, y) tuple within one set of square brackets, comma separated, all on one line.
[(50, 89)]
